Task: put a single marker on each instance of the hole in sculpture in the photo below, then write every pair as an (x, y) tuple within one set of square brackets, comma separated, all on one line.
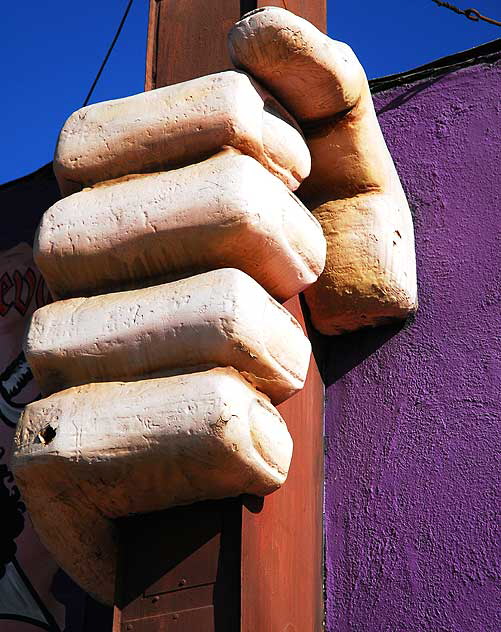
[(47, 434)]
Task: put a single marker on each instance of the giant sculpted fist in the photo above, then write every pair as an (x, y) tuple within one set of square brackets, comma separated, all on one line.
[(178, 237)]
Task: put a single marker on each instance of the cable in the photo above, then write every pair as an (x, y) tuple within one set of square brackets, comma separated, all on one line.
[(471, 14), (110, 49)]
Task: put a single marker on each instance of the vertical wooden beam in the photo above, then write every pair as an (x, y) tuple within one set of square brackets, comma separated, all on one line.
[(187, 39), (315, 11), (259, 561), (282, 545), (180, 568)]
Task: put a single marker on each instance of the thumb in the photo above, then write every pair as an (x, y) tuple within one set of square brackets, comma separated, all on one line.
[(353, 189)]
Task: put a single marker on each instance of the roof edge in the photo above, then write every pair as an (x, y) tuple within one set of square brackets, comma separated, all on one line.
[(479, 54), (41, 171)]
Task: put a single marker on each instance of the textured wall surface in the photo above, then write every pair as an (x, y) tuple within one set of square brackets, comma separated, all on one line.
[(411, 425)]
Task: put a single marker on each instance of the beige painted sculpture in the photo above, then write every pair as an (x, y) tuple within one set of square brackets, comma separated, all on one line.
[(229, 208), (179, 125), (92, 453), (218, 318), (163, 359)]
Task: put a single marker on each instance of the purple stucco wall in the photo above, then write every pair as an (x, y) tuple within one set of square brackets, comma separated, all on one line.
[(411, 423)]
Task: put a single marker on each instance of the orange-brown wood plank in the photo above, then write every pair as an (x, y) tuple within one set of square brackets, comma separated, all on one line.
[(282, 545), (282, 564), (281, 537), (187, 39), (174, 574), (314, 11), (180, 566)]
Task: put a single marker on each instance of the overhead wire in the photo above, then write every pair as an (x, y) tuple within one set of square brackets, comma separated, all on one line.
[(471, 14), (107, 56)]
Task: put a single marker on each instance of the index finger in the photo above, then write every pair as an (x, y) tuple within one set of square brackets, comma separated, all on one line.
[(176, 126)]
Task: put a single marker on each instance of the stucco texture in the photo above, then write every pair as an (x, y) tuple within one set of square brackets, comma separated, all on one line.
[(412, 414)]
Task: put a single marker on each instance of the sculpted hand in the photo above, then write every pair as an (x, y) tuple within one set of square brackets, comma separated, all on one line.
[(166, 349)]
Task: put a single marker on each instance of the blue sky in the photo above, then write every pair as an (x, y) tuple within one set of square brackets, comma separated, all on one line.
[(51, 52)]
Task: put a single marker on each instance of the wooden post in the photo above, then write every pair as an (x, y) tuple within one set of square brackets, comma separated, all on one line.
[(243, 565)]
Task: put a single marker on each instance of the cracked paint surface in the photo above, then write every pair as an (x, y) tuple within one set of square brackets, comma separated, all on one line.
[(412, 414)]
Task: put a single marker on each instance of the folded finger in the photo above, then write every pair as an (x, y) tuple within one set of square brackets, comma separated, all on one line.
[(178, 125), (220, 318), (89, 455), (227, 211)]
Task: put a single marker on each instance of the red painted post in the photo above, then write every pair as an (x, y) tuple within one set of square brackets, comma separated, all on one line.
[(252, 566)]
